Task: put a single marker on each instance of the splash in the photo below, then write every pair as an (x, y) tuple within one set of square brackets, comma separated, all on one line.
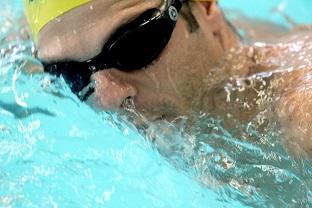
[(242, 163)]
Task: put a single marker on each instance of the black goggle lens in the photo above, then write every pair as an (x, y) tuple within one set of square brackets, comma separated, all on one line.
[(139, 47), (75, 74)]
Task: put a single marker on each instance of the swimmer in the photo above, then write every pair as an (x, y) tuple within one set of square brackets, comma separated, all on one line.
[(173, 58)]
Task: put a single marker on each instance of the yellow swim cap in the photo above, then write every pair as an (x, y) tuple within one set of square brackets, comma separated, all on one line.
[(40, 12)]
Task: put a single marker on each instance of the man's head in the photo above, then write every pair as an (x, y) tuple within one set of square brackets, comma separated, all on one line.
[(172, 84)]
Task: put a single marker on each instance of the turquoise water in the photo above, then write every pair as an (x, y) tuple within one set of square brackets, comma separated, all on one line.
[(298, 10), (57, 152)]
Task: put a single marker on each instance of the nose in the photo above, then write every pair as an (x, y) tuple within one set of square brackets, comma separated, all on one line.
[(111, 91)]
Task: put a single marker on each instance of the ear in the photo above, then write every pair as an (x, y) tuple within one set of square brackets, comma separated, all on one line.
[(207, 13), (207, 5), (211, 20)]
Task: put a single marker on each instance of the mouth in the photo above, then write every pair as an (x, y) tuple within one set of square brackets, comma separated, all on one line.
[(128, 105), (133, 115)]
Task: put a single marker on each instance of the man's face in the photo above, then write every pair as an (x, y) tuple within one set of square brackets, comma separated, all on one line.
[(173, 84)]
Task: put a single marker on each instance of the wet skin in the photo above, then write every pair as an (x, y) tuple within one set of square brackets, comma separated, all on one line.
[(168, 87), (194, 70)]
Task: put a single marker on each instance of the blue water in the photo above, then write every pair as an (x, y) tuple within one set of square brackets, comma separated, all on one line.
[(298, 10), (57, 152)]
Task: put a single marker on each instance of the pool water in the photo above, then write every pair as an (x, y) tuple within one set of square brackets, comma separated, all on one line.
[(261, 9), (57, 152)]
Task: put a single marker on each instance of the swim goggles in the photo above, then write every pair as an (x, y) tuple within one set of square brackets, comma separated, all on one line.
[(131, 47)]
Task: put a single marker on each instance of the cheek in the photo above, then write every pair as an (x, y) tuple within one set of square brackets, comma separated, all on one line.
[(187, 71), (176, 78)]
